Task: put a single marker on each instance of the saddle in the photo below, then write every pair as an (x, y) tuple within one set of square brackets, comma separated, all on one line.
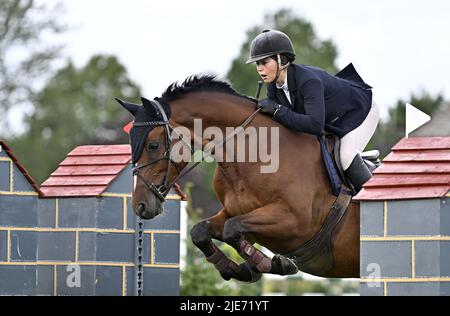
[(330, 146)]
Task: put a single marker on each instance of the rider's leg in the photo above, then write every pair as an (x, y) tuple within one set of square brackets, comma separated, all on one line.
[(352, 145)]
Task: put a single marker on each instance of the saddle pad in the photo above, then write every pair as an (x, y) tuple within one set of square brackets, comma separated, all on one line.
[(330, 167)]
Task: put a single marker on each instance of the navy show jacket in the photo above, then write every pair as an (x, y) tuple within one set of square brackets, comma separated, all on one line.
[(321, 101)]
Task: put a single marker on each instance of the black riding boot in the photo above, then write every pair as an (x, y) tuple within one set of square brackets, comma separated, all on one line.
[(358, 173)]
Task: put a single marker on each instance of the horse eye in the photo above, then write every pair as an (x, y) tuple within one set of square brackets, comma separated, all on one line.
[(153, 146)]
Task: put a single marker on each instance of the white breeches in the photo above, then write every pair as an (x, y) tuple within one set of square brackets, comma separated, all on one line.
[(356, 140)]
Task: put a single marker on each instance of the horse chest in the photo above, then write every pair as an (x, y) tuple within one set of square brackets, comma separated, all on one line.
[(235, 193), (239, 201)]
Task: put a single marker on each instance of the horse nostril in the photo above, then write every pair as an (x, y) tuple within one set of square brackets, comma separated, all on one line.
[(141, 207)]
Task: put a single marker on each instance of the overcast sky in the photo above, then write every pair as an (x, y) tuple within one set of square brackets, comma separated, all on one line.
[(398, 47)]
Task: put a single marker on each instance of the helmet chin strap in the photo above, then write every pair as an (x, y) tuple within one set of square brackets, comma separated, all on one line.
[(279, 67)]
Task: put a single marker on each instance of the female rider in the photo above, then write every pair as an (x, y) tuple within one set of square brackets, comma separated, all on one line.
[(309, 100)]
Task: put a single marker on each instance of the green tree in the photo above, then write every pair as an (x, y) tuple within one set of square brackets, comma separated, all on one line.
[(308, 47), (76, 107), (24, 56)]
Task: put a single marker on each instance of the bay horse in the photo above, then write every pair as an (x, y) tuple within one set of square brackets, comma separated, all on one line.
[(282, 211)]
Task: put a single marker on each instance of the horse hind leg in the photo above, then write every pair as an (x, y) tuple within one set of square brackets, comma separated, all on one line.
[(279, 264), (202, 234)]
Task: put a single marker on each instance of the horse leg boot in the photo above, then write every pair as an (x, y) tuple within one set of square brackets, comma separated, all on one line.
[(202, 234), (264, 222), (279, 264)]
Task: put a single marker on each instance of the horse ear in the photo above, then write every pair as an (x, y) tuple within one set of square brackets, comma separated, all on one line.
[(148, 106), (130, 107)]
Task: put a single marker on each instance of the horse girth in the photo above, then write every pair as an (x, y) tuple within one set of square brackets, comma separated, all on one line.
[(316, 255)]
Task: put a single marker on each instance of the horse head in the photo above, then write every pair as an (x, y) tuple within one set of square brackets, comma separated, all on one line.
[(150, 151)]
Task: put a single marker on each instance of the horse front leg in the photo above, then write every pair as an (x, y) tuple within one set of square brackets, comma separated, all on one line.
[(202, 235), (271, 221)]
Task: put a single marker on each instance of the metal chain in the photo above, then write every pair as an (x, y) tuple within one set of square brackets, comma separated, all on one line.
[(138, 260)]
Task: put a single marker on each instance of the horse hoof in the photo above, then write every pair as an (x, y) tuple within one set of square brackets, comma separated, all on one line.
[(244, 273), (225, 275), (286, 266)]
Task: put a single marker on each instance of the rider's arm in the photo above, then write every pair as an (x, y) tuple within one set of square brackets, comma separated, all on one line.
[(313, 120)]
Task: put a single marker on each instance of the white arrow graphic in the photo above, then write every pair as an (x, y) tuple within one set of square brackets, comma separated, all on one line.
[(414, 118)]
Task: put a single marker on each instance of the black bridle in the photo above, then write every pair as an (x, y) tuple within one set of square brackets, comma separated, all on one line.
[(163, 189)]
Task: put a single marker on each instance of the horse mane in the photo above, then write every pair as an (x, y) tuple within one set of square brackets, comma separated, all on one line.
[(197, 83)]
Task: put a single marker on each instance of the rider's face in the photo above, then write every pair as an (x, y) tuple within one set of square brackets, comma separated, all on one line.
[(267, 69)]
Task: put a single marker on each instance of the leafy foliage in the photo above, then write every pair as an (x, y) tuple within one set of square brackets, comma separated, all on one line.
[(76, 107), (25, 57)]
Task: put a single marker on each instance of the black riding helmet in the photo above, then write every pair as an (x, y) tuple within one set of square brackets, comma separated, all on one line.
[(269, 43)]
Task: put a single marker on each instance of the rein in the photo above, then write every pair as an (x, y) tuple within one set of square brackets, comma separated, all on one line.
[(163, 189)]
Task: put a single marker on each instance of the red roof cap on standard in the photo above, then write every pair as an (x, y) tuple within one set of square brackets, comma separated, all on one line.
[(417, 167), (87, 171), (20, 166)]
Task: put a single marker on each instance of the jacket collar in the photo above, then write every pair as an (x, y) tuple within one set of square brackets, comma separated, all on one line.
[(291, 79)]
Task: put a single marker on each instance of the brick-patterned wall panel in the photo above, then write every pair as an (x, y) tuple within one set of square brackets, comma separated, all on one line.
[(5, 175), (81, 245), (77, 212), (405, 247), (18, 211), (166, 248), (56, 246), (110, 214), (20, 183), (161, 281), (17, 279)]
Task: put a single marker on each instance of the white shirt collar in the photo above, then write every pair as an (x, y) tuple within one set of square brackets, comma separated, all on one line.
[(284, 86)]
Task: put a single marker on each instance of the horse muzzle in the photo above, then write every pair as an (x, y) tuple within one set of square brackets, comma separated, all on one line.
[(148, 209)]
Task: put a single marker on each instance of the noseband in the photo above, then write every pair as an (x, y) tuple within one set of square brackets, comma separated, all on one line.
[(163, 189)]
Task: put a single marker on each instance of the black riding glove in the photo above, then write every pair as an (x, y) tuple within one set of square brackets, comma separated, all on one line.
[(268, 106)]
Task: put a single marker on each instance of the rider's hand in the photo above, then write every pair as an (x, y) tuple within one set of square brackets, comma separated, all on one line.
[(268, 106)]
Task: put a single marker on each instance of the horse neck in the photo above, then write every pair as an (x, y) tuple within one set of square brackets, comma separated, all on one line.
[(214, 109), (223, 110)]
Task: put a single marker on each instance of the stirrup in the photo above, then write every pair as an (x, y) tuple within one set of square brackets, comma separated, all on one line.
[(370, 155)]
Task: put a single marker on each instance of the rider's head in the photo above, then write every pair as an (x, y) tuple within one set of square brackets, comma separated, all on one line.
[(272, 51)]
